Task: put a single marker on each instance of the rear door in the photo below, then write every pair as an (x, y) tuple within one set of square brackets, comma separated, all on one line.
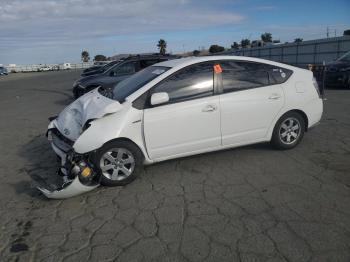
[(190, 121), (249, 102)]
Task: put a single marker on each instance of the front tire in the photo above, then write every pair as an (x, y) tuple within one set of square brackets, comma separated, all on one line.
[(289, 131), (118, 163)]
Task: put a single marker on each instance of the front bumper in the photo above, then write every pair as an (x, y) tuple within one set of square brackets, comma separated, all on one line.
[(71, 170)]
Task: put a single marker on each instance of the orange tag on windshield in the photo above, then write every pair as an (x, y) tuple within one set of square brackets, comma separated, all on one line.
[(217, 69)]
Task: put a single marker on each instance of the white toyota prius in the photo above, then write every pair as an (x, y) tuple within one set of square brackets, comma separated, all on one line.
[(179, 108)]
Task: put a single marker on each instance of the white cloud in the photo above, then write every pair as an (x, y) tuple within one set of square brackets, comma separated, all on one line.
[(96, 18), (38, 25)]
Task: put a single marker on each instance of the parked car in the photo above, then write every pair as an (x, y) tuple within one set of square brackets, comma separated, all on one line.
[(44, 68), (65, 66), (95, 70), (338, 72), (179, 108), (115, 73), (3, 70)]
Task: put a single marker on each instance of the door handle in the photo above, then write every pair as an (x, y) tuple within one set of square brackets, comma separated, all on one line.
[(274, 96), (209, 108)]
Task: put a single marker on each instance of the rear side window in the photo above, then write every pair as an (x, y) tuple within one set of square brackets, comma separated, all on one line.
[(238, 75), (192, 82), (278, 75)]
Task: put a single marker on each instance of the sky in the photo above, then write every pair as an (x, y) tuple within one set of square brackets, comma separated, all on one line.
[(56, 31)]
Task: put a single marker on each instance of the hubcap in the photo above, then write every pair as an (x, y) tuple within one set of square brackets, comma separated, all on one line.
[(117, 164), (290, 130)]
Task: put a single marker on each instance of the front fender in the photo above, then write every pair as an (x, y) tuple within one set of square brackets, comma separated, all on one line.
[(123, 124)]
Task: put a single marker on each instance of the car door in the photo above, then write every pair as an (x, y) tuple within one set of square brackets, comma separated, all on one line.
[(190, 121), (249, 102)]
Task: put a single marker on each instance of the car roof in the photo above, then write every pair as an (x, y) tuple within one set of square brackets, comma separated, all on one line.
[(182, 62)]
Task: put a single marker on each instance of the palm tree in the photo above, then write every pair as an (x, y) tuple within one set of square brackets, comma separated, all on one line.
[(85, 57), (162, 46)]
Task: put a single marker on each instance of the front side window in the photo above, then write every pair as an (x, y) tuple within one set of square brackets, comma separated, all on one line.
[(123, 69), (192, 82), (238, 75)]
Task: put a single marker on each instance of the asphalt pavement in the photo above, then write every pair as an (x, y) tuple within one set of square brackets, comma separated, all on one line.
[(245, 204)]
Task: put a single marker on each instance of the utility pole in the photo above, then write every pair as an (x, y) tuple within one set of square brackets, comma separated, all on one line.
[(327, 32)]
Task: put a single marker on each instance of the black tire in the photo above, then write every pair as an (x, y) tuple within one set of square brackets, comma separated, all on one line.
[(280, 134), (127, 147)]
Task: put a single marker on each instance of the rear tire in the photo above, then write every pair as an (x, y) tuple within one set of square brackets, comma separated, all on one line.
[(118, 163), (289, 131)]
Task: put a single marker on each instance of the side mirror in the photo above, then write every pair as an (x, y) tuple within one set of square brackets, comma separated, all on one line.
[(159, 98)]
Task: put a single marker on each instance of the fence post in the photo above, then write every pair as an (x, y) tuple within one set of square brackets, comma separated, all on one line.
[(338, 48), (315, 50), (297, 55), (282, 54)]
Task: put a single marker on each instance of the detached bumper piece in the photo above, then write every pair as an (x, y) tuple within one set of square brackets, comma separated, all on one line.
[(76, 170), (69, 189)]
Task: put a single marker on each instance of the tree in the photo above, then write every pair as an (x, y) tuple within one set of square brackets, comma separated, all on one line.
[(85, 57), (100, 58), (162, 46), (266, 37), (216, 49), (235, 45), (196, 52), (245, 42), (298, 40)]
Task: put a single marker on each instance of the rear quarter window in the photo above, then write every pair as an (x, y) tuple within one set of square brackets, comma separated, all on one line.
[(278, 75)]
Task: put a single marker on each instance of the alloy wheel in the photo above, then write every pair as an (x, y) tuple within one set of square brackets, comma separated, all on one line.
[(117, 164), (289, 131)]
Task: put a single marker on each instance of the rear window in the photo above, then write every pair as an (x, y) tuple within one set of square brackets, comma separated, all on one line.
[(238, 75)]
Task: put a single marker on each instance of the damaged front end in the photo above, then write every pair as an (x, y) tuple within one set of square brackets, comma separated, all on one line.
[(77, 171)]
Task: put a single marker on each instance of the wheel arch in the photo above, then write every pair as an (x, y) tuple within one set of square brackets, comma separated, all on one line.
[(300, 112), (125, 139)]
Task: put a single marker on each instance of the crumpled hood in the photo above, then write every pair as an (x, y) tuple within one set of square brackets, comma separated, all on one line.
[(89, 106)]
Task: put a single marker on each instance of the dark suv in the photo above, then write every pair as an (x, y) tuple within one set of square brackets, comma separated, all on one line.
[(98, 69), (338, 72), (116, 73)]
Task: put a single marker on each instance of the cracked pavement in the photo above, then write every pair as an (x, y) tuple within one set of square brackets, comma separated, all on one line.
[(245, 204)]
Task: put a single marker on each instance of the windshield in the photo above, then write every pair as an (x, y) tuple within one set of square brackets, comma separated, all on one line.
[(345, 57), (128, 86)]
